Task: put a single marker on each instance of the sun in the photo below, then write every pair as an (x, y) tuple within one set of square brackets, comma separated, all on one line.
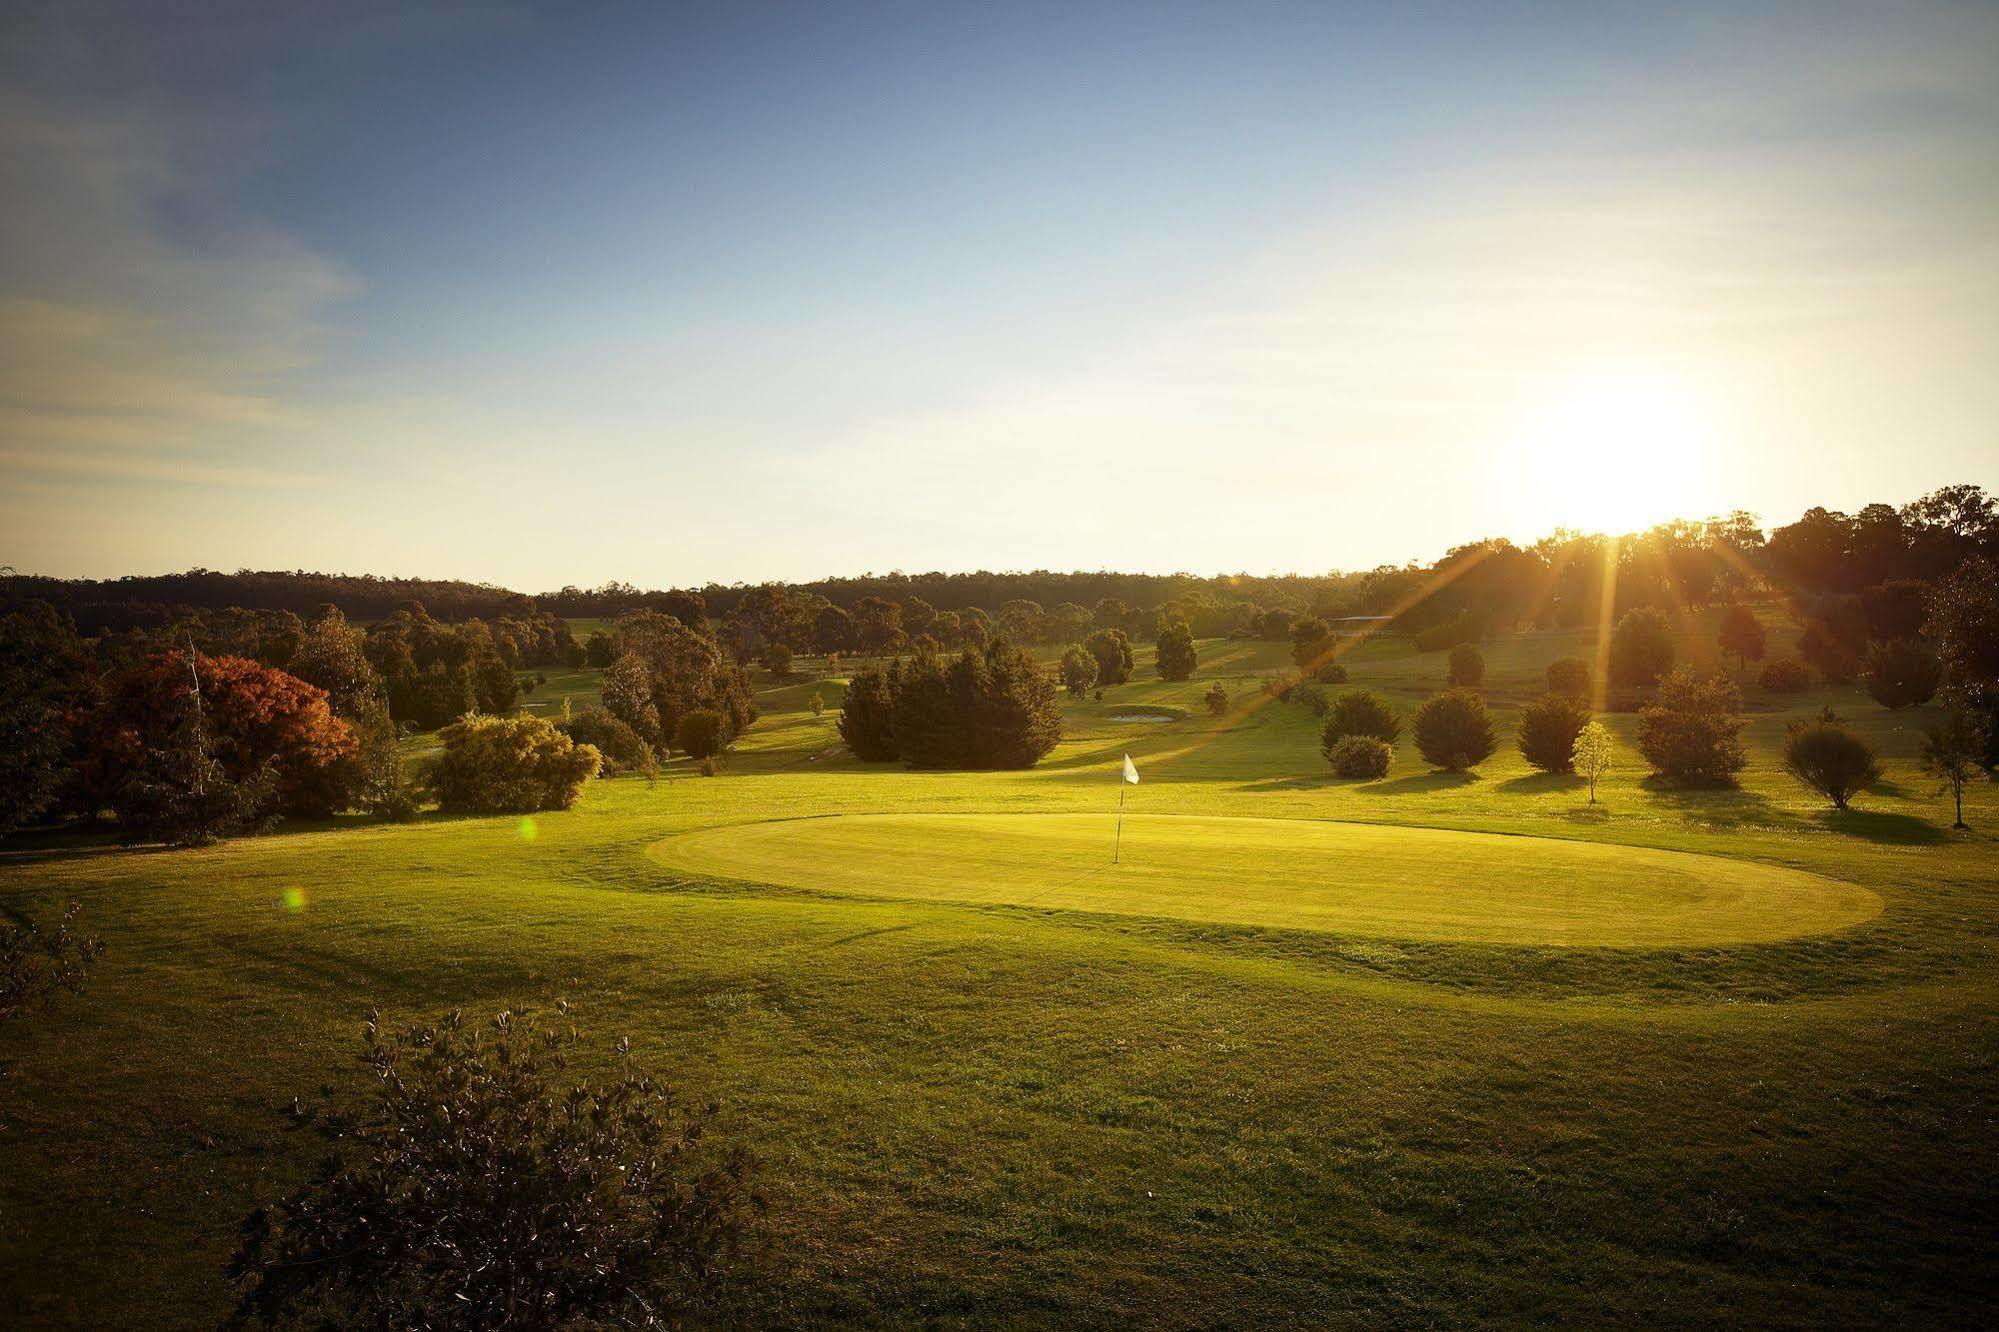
[(1619, 450)]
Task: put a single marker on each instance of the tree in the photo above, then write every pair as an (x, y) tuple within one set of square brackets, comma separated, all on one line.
[(1785, 676), (1112, 649), (1691, 732), (1569, 676), (1023, 621), (481, 1184), (682, 671), (776, 658), (1828, 653), (45, 675), (627, 691), (1964, 623), (1217, 699), (1548, 730), (867, 716), (702, 733), (1641, 647), (332, 656), (1014, 720), (1591, 756), (509, 765), (1078, 671), (878, 626), (1360, 756), (1952, 753), (1361, 712), (1830, 759), (833, 630), (619, 748), (1742, 637), (1895, 609), (1467, 666), (1903, 673), (1454, 731), (1175, 651), (1068, 623), (1312, 643)]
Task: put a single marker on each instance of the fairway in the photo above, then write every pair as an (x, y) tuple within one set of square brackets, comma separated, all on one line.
[(1343, 878)]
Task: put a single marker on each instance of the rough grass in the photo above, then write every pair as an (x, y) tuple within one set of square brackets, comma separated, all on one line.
[(973, 1113)]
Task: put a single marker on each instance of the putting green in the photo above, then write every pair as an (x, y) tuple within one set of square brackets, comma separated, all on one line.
[(1346, 878)]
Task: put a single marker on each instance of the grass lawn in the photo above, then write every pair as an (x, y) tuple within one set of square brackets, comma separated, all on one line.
[(1426, 1050)]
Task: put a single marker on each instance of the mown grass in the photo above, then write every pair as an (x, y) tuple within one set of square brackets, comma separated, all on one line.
[(1006, 1112)]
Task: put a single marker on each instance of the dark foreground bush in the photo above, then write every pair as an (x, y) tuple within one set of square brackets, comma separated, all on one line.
[(1454, 730), (1360, 756), (1548, 730), (1361, 712), (1830, 759), (509, 765), (1785, 676), (479, 1186)]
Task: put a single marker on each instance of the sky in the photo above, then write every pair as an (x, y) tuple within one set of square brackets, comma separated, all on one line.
[(560, 294)]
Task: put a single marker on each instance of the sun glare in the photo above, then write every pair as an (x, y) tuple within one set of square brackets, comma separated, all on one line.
[(1621, 450)]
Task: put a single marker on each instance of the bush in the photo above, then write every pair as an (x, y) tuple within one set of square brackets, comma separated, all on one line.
[(1360, 756), (1362, 712), (1829, 654), (1078, 670), (1548, 730), (1569, 676), (1467, 666), (1830, 759), (702, 734), (1641, 647), (1903, 674), (1741, 636), (1308, 696), (867, 716), (1691, 732), (1785, 676), (990, 709), (481, 1186), (1454, 731), (619, 747), (1174, 654), (776, 658), (509, 765), (1217, 699), (1313, 643)]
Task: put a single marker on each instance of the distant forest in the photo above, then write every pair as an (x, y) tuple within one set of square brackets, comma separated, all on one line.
[(1557, 580)]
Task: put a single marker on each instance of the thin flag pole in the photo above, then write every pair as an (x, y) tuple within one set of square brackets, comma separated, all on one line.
[(1119, 842)]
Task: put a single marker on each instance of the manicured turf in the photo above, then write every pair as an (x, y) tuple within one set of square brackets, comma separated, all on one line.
[(973, 1111), (1382, 882)]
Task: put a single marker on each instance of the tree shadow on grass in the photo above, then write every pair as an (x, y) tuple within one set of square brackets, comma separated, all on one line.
[(1888, 829), (1543, 783), (1438, 780), (1716, 804)]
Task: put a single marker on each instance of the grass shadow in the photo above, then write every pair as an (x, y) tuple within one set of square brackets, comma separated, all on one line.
[(1543, 783), (1437, 780), (1888, 829)]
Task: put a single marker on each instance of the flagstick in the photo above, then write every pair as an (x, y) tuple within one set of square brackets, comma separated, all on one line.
[(1119, 842)]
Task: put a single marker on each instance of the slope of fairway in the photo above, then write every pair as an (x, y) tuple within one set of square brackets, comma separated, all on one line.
[(1395, 882)]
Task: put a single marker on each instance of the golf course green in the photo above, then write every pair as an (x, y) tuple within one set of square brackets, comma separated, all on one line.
[(1346, 878)]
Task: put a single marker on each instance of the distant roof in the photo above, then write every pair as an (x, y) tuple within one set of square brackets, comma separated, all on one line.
[(1362, 619)]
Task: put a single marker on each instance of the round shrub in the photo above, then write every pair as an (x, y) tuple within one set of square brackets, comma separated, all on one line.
[(1641, 647), (1548, 730), (702, 733), (1454, 731), (509, 765), (1903, 674), (1785, 676), (1569, 676), (1330, 672), (1362, 712), (1217, 699), (1830, 759), (1467, 666), (1691, 732), (621, 748), (1360, 756)]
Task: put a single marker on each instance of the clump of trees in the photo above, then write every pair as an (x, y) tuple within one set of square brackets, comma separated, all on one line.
[(989, 709), (1641, 647), (1467, 666), (1785, 676), (1361, 712), (1078, 670), (1112, 649), (1454, 731), (1360, 756), (433, 673), (1691, 732), (1903, 673), (1829, 758), (1548, 730), (664, 670), (1174, 651), (509, 765), (1569, 676), (482, 1183)]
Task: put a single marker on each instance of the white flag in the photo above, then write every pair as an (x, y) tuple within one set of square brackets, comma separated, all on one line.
[(1130, 771)]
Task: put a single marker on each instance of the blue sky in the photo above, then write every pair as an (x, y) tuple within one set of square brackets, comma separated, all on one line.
[(568, 293)]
